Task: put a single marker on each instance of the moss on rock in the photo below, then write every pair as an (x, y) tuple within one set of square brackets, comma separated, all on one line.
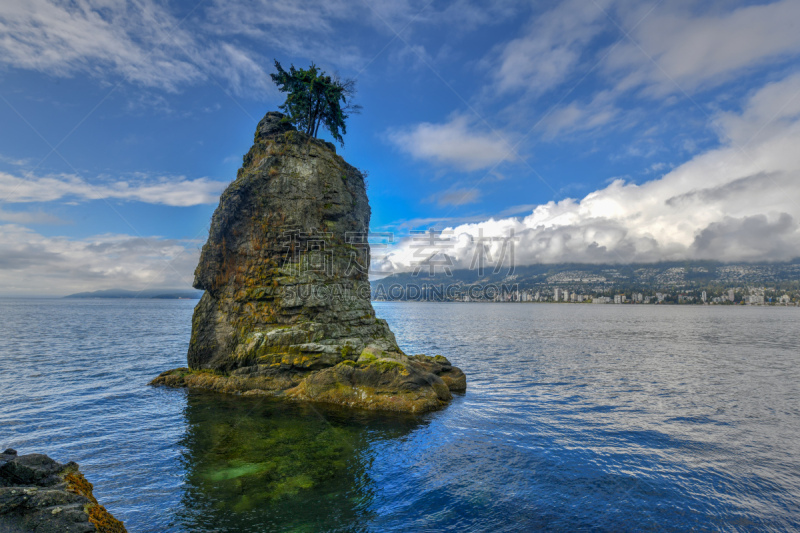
[(287, 296)]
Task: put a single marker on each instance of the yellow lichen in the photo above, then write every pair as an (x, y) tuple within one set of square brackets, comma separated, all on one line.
[(98, 515)]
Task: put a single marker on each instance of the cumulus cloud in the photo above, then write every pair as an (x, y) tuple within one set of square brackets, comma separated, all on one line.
[(174, 191), (749, 238), (457, 143), (730, 203), (31, 263), (693, 51)]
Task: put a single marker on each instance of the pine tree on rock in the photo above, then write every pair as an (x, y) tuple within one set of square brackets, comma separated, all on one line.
[(316, 99)]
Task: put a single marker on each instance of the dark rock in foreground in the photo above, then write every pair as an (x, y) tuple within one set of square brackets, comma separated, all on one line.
[(287, 308), (38, 494)]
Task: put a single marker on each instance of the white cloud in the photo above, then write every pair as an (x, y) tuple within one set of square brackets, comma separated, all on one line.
[(174, 191), (242, 70), (768, 114), (697, 51), (728, 204), (29, 217), (139, 41), (31, 263), (457, 143), (305, 28), (456, 197), (15, 161), (575, 116), (549, 50), (148, 44), (693, 47), (517, 209)]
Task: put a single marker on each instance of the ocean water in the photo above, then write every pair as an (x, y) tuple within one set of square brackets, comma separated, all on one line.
[(576, 418)]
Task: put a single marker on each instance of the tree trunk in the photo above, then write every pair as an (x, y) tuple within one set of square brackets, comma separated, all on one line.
[(311, 129)]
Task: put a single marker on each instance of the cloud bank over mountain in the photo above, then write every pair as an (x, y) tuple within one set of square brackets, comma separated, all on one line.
[(738, 202)]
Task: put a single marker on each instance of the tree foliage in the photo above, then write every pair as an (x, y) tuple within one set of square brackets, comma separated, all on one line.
[(316, 99)]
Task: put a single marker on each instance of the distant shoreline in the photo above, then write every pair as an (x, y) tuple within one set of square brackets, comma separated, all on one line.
[(663, 304), (150, 294)]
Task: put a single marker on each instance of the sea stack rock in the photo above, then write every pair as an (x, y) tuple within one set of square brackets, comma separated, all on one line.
[(39, 494), (286, 309)]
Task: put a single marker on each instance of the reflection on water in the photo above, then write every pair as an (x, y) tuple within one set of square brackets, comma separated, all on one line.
[(577, 418), (255, 464)]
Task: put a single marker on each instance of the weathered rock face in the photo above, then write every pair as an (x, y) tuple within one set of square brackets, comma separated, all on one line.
[(286, 309), (38, 494)]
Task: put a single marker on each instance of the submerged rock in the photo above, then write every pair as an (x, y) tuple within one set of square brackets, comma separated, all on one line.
[(38, 494), (286, 309)]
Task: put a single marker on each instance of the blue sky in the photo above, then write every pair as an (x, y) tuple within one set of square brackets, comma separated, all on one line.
[(596, 130)]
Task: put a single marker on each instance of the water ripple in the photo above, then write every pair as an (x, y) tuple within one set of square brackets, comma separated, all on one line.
[(577, 418)]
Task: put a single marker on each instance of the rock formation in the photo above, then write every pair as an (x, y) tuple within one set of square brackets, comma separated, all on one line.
[(38, 494), (286, 309)]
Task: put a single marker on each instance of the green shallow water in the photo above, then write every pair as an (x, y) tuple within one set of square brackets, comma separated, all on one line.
[(256, 463)]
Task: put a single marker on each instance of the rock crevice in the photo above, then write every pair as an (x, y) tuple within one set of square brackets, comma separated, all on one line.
[(286, 309)]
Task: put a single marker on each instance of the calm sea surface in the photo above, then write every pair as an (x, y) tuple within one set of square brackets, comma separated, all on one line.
[(577, 418)]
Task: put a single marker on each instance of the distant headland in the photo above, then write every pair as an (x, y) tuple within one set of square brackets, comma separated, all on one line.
[(158, 294)]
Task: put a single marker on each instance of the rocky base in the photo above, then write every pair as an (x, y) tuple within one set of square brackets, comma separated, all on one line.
[(38, 494), (401, 383)]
